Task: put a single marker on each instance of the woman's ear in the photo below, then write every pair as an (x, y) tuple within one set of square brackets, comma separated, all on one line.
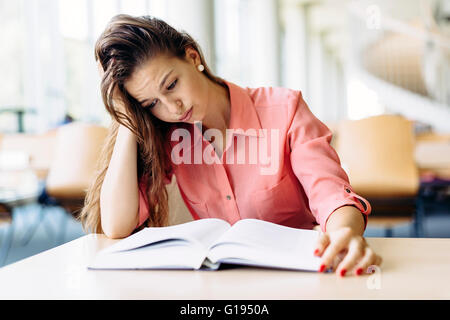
[(192, 56)]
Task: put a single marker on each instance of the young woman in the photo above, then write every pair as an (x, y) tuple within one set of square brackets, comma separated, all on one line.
[(236, 152)]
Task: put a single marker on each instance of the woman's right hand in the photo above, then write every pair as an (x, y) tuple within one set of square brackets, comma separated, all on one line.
[(118, 103)]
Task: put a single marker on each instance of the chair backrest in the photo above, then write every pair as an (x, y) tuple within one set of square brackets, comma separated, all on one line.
[(77, 149), (38, 147), (378, 155)]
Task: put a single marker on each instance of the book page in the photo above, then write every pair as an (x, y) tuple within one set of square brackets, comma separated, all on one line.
[(258, 242), (200, 232), (176, 254)]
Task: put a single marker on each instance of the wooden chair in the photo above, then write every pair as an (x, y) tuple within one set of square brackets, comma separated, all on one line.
[(378, 156), (39, 148), (76, 151)]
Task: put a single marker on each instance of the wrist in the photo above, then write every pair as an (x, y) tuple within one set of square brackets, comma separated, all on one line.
[(346, 217), (125, 134)]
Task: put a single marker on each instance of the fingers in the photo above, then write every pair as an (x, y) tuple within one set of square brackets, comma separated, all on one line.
[(354, 254), (332, 252), (370, 258), (322, 244), (345, 253)]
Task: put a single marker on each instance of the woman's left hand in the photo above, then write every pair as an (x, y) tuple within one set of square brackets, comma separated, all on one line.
[(345, 252)]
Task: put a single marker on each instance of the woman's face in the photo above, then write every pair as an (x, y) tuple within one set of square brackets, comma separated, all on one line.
[(171, 88)]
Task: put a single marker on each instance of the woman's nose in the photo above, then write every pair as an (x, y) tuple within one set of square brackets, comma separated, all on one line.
[(175, 107)]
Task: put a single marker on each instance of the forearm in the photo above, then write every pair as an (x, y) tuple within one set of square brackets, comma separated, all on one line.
[(347, 216), (119, 198)]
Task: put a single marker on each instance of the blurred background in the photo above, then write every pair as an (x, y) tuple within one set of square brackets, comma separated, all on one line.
[(376, 72)]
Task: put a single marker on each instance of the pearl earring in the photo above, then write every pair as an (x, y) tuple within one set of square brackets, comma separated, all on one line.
[(201, 68)]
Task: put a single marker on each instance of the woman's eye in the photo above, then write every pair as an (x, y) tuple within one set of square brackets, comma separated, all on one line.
[(172, 85), (152, 104)]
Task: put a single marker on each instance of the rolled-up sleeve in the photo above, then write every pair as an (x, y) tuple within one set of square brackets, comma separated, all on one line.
[(317, 166)]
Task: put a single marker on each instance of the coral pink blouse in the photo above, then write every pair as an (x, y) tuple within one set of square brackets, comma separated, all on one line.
[(278, 166)]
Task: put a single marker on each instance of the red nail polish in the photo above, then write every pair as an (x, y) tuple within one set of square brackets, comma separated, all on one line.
[(359, 271), (316, 252), (343, 272), (322, 268)]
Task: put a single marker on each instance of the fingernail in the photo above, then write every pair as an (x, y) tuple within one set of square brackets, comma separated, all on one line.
[(322, 268), (316, 252), (343, 272), (359, 271)]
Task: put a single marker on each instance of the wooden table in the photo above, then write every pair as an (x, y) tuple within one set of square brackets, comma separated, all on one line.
[(412, 269)]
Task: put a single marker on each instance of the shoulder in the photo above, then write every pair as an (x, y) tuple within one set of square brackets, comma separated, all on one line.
[(286, 101), (274, 97)]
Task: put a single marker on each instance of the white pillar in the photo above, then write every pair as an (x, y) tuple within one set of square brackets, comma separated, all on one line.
[(55, 68), (316, 91), (33, 98), (44, 63), (196, 17), (295, 55), (228, 35), (93, 108), (260, 43)]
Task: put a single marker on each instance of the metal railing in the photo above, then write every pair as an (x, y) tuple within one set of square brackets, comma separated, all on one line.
[(407, 53)]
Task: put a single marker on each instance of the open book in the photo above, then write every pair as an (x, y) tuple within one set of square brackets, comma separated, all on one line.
[(208, 243)]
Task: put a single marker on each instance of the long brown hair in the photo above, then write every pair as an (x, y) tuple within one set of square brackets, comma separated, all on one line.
[(126, 44)]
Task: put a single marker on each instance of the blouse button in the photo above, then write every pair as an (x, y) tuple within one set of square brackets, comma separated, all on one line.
[(228, 197)]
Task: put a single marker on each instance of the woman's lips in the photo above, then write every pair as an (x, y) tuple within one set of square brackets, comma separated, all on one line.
[(187, 115)]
